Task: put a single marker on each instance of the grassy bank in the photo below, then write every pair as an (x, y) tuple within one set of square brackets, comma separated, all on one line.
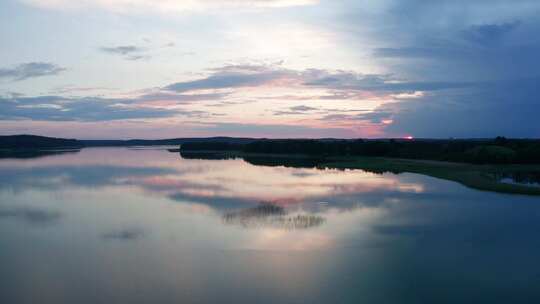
[(481, 177)]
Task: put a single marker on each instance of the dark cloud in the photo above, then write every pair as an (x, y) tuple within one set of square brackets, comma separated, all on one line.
[(279, 113), (376, 116), (57, 108), (296, 110), (477, 59), (452, 41), (416, 52), (488, 34), (344, 83), (30, 70), (507, 108), (122, 50), (180, 98), (341, 95), (233, 77), (350, 81), (303, 108), (336, 117)]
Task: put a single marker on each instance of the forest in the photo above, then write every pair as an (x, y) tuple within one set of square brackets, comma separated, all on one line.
[(478, 151)]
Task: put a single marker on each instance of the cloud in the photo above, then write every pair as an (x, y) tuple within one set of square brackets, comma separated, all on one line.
[(58, 108), (30, 70), (165, 6), (182, 97), (489, 34), (296, 110), (129, 52), (377, 116), (234, 76), (123, 50), (506, 108), (344, 82), (224, 84), (378, 83), (479, 54), (459, 41), (303, 108), (73, 89), (438, 61), (337, 117), (416, 52)]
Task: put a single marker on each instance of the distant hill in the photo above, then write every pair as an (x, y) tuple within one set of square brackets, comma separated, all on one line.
[(164, 142), (43, 142), (37, 142)]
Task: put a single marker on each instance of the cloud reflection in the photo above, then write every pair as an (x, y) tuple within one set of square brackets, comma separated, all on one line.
[(124, 235), (30, 215), (223, 185)]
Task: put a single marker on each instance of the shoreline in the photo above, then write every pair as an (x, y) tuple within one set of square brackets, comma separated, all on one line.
[(479, 177)]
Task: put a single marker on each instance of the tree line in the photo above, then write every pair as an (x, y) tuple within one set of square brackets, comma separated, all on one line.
[(490, 151)]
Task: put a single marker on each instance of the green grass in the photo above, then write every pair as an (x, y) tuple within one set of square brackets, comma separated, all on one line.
[(479, 177)]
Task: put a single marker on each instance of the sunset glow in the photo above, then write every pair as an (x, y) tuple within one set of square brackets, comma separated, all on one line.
[(275, 68)]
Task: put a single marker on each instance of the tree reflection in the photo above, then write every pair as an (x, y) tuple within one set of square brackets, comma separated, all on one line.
[(30, 153)]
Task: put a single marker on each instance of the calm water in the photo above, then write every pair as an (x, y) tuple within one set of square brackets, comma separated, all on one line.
[(116, 225)]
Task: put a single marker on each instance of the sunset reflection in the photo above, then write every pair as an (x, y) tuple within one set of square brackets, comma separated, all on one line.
[(121, 216)]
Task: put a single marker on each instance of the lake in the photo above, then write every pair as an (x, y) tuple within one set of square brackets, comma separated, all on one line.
[(144, 225)]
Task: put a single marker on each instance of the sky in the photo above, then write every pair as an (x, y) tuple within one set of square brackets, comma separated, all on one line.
[(99, 69)]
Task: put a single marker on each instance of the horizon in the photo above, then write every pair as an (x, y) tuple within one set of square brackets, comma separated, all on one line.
[(406, 138), (118, 70)]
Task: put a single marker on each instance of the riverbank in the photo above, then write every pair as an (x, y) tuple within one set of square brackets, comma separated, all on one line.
[(480, 177)]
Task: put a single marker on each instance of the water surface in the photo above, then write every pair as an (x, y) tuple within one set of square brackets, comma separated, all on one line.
[(121, 225)]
